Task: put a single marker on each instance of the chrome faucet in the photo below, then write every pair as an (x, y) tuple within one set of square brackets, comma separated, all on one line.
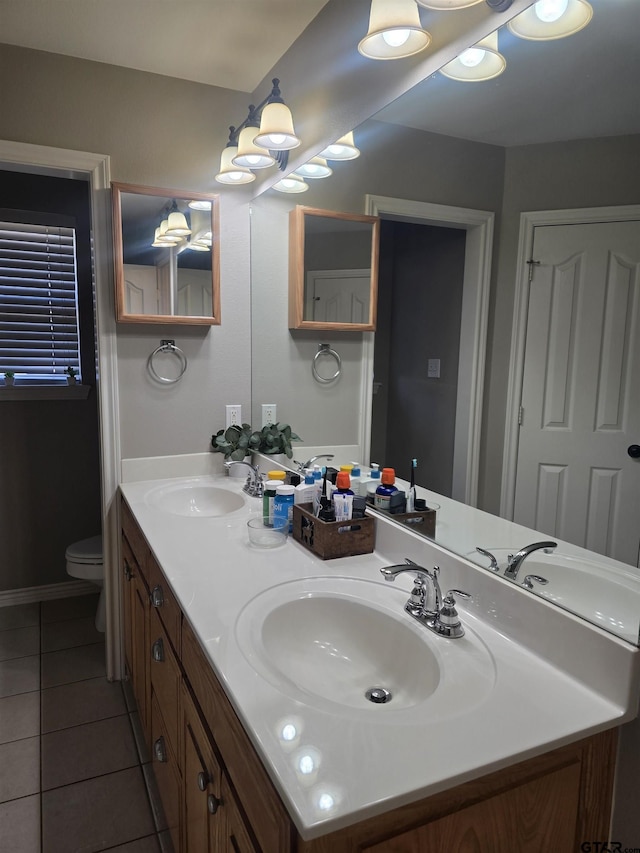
[(515, 560), (254, 485), (302, 466), (426, 603)]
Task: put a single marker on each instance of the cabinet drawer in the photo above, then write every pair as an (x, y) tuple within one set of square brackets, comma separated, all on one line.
[(167, 775), (164, 673), (164, 603)]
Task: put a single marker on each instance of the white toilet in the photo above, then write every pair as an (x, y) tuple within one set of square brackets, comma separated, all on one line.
[(84, 560)]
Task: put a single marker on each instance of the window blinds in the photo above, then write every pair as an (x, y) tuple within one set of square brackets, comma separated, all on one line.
[(39, 335)]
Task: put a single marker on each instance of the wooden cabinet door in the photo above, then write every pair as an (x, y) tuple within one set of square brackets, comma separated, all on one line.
[(202, 778), (167, 775), (237, 837), (139, 653), (538, 815)]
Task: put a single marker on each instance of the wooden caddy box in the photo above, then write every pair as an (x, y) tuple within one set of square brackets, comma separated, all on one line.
[(331, 539)]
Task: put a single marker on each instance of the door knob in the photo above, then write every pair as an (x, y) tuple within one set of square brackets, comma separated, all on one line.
[(634, 451)]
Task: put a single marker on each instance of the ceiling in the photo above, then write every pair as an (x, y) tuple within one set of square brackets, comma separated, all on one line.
[(587, 85), (228, 43)]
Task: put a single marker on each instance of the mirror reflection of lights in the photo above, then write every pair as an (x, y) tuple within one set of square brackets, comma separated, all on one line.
[(289, 732), (326, 802), (306, 764)]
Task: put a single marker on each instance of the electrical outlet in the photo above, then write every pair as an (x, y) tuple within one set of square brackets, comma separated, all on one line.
[(433, 368), (268, 414), (234, 415)]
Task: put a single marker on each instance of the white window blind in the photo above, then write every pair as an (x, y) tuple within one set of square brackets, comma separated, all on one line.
[(39, 333)]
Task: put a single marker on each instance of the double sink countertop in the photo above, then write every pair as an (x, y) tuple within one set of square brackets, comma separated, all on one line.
[(295, 641)]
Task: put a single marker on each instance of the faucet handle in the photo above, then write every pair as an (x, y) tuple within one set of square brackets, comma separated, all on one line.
[(447, 622), (494, 567)]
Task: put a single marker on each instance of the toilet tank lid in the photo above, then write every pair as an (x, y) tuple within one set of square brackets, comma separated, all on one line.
[(86, 549)]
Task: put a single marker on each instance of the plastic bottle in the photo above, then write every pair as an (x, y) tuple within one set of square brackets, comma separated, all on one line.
[(385, 489), (356, 477), (305, 491), (268, 495), (342, 497), (368, 485), (277, 475), (283, 506)]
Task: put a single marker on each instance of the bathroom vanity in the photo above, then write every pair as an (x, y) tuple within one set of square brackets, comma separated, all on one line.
[(261, 738)]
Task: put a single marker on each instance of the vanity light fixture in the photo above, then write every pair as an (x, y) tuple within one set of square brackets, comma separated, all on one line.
[(276, 123), (230, 173), (163, 237), (551, 19), (481, 62), (342, 149), (293, 183), (395, 30), (316, 168), (177, 225), (446, 5), (250, 155)]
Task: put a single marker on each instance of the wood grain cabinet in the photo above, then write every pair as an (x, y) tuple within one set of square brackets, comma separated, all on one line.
[(218, 798)]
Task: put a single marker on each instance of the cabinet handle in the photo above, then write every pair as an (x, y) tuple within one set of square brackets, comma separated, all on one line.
[(203, 780), (157, 596), (159, 750), (213, 803), (157, 650)]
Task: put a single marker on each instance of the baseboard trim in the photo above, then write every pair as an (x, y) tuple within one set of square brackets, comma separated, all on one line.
[(31, 594)]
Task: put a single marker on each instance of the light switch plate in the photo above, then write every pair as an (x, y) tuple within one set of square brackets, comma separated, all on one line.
[(433, 368)]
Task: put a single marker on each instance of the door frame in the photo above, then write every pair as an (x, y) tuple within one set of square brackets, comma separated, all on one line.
[(473, 331), (95, 169), (529, 221)]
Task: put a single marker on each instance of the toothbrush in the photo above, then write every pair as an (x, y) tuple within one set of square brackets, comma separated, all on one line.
[(411, 497)]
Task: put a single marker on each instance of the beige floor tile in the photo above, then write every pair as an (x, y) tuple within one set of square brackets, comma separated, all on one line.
[(19, 616), (82, 752), (21, 675), (71, 665), (96, 814), (19, 717), (19, 642), (81, 702), (76, 607), (20, 763), (20, 822), (68, 634)]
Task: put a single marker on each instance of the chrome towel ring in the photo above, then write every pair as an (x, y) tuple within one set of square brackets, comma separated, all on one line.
[(167, 346), (324, 350)]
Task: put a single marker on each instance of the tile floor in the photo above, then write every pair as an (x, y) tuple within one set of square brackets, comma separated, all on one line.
[(72, 776)]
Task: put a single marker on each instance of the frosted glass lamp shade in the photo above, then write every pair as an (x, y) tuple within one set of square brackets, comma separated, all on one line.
[(481, 62), (250, 155), (394, 31), (342, 149), (161, 244), (291, 184), (545, 20), (276, 129), (177, 225), (200, 204), (315, 168), (230, 174), (164, 237), (445, 5)]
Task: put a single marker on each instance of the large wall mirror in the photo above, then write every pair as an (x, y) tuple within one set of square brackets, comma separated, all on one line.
[(166, 255), (564, 139), (333, 270)]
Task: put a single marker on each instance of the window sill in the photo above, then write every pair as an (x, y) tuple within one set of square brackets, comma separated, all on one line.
[(44, 392)]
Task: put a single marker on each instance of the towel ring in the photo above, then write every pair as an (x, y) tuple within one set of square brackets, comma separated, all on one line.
[(170, 347), (325, 349)]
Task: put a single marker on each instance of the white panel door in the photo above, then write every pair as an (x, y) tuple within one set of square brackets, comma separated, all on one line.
[(581, 389), (338, 296)]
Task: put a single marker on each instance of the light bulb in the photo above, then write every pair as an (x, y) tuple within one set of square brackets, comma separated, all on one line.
[(472, 57), (253, 159), (277, 138), (549, 11), (396, 38)]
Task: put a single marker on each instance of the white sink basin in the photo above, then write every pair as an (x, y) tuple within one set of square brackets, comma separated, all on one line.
[(328, 641), (195, 499)]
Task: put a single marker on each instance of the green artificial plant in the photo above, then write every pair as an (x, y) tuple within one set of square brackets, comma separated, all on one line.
[(233, 442)]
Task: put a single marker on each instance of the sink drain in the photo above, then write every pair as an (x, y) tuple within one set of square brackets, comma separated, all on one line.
[(378, 695)]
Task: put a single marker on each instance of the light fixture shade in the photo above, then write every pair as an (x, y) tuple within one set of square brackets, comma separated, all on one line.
[(276, 129), (394, 31), (164, 237), (177, 225), (445, 5), (342, 149), (250, 155), (291, 184), (535, 25), (481, 62), (200, 204), (229, 173), (315, 168), (159, 243), (197, 246)]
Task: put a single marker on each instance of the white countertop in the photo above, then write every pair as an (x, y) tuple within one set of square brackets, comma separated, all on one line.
[(551, 679)]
